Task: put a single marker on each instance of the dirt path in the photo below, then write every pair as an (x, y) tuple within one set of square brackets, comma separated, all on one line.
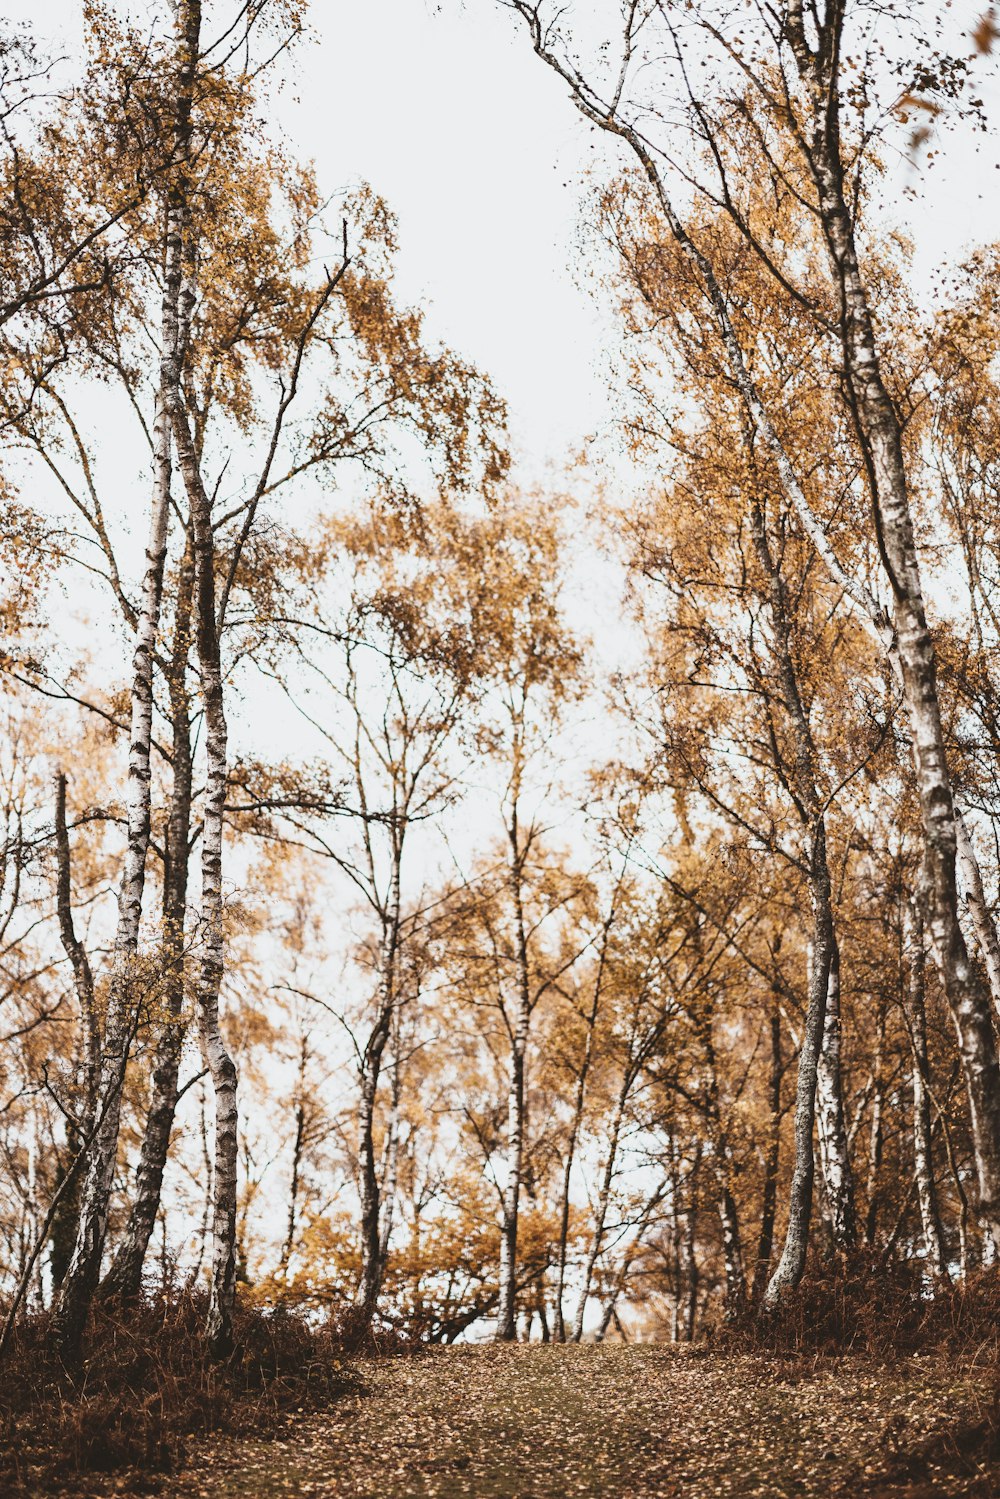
[(552, 1423)]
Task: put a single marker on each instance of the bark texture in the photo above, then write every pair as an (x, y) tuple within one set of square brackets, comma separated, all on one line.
[(772, 1157), (923, 1162), (879, 431), (83, 1271), (211, 966), (506, 1329), (579, 1098), (789, 1269), (125, 1275), (372, 1256), (830, 1126)]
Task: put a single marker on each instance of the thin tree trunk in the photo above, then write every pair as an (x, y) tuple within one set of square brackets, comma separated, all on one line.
[(212, 959), (293, 1192), (125, 1275), (370, 1280), (732, 1247), (579, 1099), (66, 1219), (689, 1276), (83, 978), (769, 1193), (876, 1132), (604, 1197), (83, 1272), (793, 1256), (506, 1327), (923, 1163), (368, 1283), (390, 1170), (880, 435), (830, 1127)]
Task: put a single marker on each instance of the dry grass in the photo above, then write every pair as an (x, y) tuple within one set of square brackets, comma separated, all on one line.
[(146, 1388), (864, 1305)]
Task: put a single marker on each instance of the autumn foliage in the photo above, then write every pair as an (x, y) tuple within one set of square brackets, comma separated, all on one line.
[(437, 905)]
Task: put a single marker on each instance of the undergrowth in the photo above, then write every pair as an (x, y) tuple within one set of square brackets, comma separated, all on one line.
[(863, 1304), (146, 1386)]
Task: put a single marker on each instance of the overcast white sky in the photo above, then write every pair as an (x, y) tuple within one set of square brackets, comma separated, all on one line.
[(445, 111)]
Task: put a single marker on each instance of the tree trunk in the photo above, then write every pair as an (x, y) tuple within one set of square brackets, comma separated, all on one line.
[(125, 1275), (390, 1166), (923, 1162), (293, 1191), (370, 1281), (209, 980), (506, 1330), (84, 1269), (810, 804), (689, 1277), (769, 1194), (732, 1249), (604, 1197), (793, 1256), (83, 978), (580, 1093), (66, 1220), (830, 1127), (880, 436), (979, 909), (876, 1132), (211, 966)]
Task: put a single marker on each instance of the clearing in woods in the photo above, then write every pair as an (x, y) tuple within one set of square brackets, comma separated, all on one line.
[(546, 1422)]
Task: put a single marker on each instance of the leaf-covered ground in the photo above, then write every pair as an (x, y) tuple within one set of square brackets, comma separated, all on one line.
[(541, 1422)]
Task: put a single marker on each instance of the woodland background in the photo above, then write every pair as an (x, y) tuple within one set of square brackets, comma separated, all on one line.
[(457, 895)]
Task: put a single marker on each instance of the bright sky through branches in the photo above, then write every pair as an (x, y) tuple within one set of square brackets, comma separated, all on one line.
[(446, 112)]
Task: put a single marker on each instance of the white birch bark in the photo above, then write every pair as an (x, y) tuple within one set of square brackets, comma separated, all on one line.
[(905, 637), (923, 1163), (125, 1275), (212, 956), (506, 1329), (771, 1159), (788, 1271), (983, 924), (880, 436), (830, 1126), (390, 1175), (604, 1193), (579, 1098), (84, 1268)]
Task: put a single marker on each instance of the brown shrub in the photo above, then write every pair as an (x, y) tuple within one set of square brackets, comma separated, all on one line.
[(146, 1385), (865, 1304)]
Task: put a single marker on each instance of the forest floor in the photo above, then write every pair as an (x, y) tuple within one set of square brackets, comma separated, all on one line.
[(537, 1422)]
